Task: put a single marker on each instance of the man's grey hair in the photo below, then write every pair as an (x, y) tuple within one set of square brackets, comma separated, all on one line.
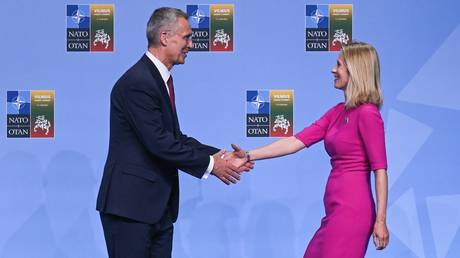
[(162, 19)]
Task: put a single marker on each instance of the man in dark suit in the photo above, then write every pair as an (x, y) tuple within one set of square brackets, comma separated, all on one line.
[(139, 195)]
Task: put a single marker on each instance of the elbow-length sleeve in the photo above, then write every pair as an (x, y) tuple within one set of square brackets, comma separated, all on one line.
[(317, 130), (371, 130)]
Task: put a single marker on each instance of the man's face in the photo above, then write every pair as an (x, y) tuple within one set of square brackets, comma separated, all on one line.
[(179, 43)]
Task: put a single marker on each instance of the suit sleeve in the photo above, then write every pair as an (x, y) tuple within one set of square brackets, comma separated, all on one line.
[(143, 110), (190, 141), (371, 130)]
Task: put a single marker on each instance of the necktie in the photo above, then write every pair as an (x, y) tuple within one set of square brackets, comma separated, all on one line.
[(171, 92)]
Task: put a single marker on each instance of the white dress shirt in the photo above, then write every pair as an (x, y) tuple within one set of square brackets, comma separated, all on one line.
[(165, 74)]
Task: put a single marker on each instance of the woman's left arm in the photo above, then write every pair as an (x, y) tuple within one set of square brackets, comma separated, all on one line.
[(381, 235)]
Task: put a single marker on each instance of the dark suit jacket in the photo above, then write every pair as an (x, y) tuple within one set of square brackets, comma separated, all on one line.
[(146, 148)]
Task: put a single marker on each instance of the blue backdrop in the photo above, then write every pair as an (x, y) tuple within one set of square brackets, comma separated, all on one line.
[(48, 187)]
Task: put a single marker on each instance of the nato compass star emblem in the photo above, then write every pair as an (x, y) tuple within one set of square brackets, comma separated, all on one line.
[(198, 16), (18, 102), (258, 102), (78, 16), (317, 16)]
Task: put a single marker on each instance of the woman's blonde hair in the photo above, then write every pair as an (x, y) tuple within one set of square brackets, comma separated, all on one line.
[(363, 67)]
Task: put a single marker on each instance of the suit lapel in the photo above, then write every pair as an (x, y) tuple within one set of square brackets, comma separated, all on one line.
[(164, 93)]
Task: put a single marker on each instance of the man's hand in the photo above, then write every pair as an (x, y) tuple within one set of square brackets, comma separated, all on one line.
[(224, 170), (239, 159)]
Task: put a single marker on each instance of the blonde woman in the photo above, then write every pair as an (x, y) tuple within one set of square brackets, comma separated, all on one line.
[(353, 136)]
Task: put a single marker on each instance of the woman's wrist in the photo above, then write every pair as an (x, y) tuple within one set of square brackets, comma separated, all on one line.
[(248, 156), (381, 220)]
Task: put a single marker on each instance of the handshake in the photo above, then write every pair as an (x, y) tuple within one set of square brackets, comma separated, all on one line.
[(228, 166)]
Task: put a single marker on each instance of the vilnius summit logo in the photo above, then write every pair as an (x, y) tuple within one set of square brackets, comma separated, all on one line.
[(212, 27), (90, 28), (328, 27), (269, 113), (30, 114)]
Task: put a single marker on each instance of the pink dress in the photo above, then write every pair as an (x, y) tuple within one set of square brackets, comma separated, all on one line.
[(354, 139)]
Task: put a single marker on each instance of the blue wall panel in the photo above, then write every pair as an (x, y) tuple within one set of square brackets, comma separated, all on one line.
[(48, 187)]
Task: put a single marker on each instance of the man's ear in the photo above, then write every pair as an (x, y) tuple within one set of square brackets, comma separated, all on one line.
[(164, 38)]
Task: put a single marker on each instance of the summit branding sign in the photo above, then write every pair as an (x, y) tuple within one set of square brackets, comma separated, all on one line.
[(328, 27), (212, 27), (30, 114), (269, 113), (90, 28)]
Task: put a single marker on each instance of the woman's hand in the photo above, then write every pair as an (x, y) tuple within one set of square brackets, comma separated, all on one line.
[(381, 235), (238, 152), (239, 159)]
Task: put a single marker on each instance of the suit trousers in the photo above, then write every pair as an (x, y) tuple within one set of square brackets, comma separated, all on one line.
[(126, 238)]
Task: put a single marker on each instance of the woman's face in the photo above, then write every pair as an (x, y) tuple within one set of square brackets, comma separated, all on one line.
[(340, 73)]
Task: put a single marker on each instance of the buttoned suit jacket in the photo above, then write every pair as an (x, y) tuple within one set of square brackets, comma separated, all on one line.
[(146, 149)]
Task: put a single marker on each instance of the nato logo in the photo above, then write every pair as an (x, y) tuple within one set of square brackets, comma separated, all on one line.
[(78, 23), (78, 16), (317, 27), (257, 113), (198, 16), (317, 16), (258, 102), (18, 102), (18, 114)]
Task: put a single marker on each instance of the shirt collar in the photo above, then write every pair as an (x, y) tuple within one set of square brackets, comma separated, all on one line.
[(165, 74)]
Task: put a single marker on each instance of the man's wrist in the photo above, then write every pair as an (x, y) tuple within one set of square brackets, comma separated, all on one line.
[(209, 169)]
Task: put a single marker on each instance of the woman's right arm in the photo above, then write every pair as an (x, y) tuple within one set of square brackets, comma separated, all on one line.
[(279, 148), (307, 137)]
